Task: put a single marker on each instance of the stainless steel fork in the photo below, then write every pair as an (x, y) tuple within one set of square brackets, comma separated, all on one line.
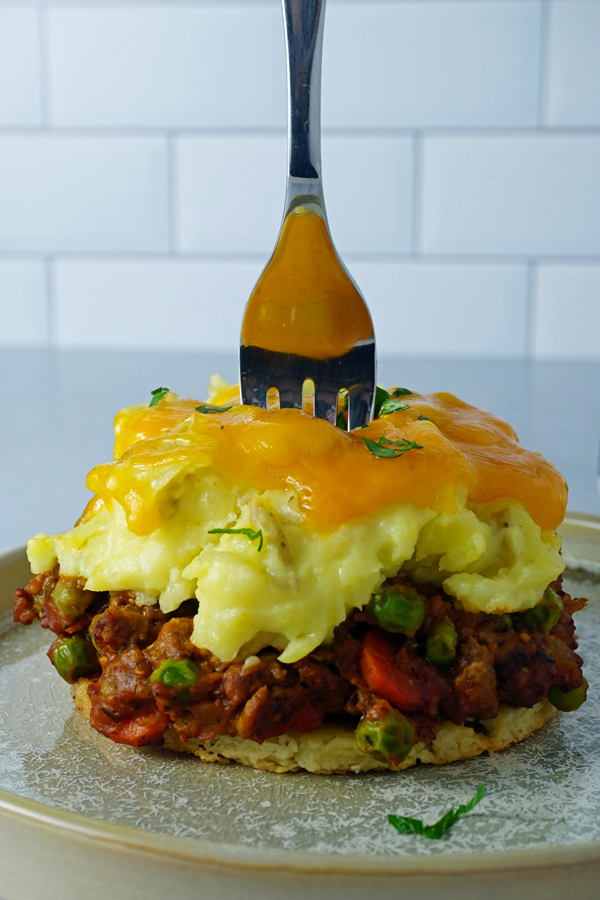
[(276, 349)]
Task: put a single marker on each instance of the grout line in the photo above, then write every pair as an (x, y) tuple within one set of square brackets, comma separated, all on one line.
[(241, 257), (262, 132), (210, 4), (544, 63), (44, 67), (172, 189), (51, 301), (530, 324), (417, 195), (144, 4)]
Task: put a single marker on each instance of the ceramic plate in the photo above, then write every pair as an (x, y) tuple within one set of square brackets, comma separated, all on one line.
[(79, 813)]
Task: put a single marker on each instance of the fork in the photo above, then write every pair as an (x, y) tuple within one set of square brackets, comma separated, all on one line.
[(306, 320)]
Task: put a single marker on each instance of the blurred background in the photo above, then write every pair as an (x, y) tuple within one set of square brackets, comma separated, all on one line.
[(143, 154)]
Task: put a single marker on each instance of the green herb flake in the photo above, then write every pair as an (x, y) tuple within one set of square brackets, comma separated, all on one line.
[(253, 535), (209, 410), (389, 449), (157, 395), (391, 405), (425, 419), (386, 401), (405, 825), (380, 397)]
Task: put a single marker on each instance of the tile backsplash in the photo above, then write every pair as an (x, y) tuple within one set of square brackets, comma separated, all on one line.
[(143, 155)]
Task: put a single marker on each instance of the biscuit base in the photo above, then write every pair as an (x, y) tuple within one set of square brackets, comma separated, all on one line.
[(332, 750)]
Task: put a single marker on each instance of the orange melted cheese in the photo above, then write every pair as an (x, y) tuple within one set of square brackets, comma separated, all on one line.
[(336, 476), (305, 303)]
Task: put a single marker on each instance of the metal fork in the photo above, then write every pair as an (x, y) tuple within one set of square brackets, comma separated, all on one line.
[(263, 367)]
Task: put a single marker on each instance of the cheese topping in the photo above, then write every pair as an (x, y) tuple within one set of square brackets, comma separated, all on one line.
[(471, 510)]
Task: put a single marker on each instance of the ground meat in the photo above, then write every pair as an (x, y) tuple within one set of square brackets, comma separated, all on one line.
[(123, 686), (145, 725), (275, 711), (524, 670), (30, 599), (24, 611), (497, 660), (172, 642), (474, 692), (125, 625)]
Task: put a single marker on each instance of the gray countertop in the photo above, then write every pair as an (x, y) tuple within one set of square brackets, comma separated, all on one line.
[(58, 408)]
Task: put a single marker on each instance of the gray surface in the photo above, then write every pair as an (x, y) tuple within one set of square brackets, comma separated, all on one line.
[(58, 408)]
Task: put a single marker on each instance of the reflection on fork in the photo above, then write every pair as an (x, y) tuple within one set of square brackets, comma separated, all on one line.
[(333, 384)]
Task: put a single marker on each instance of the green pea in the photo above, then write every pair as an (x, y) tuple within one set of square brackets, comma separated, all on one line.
[(69, 599), (546, 614), (397, 609), (504, 619), (441, 644), (176, 673), (71, 659), (569, 701), (392, 737)]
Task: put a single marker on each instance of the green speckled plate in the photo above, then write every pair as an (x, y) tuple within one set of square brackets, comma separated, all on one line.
[(80, 815)]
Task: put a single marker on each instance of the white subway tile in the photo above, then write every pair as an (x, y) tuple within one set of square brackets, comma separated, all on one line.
[(230, 192), (23, 305), (72, 193), (431, 64), (573, 60), (20, 76), (181, 66), (158, 304), (446, 309), (528, 194), (567, 312), (368, 190)]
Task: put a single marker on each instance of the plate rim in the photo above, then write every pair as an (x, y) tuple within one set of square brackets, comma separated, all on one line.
[(201, 852), (252, 859)]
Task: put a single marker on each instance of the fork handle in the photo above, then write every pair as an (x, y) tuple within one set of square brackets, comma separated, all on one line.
[(303, 23)]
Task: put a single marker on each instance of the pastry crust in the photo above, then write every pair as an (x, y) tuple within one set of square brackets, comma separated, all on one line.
[(332, 749)]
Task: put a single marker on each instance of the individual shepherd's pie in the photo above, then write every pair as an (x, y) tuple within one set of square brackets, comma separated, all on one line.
[(266, 587)]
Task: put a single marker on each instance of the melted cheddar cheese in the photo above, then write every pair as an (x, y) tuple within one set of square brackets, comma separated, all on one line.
[(470, 510)]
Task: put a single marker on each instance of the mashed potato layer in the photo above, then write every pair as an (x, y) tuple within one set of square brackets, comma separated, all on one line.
[(293, 591)]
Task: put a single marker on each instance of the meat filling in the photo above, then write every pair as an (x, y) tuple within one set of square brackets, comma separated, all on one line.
[(146, 674)]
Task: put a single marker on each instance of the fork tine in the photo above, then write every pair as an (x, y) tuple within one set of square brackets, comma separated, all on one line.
[(326, 398), (355, 371), (290, 395), (358, 406)]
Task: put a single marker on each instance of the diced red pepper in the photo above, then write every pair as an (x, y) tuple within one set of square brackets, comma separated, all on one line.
[(379, 669)]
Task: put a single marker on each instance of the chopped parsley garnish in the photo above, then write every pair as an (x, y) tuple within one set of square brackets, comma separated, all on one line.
[(386, 402), (391, 405), (424, 418), (389, 448), (380, 397), (253, 535), (157, 395), (212, 409), (405, 825)]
